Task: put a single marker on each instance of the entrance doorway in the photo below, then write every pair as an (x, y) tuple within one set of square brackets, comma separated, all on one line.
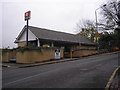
[(67, 52)]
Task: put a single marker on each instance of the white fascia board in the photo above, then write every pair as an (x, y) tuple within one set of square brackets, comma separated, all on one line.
[(31, 36), (19, 35)]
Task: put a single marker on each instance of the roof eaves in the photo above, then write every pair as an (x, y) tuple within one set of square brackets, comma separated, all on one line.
[(16, 41)]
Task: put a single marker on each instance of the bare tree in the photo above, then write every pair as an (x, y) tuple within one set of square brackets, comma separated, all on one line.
[(86, 28), (85, 24), (110, 21), (111, 15)]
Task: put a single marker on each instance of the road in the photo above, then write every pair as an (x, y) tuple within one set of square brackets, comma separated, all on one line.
[(88, 72)]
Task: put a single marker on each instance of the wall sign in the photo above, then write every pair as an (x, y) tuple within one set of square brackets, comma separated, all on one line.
[(57, 54), (27, 15)]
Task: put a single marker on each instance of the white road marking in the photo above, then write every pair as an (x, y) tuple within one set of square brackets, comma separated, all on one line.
[(22, 79)]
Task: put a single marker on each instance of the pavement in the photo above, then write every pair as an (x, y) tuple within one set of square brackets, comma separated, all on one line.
[(20, 65), (114, 80), (87, 72)]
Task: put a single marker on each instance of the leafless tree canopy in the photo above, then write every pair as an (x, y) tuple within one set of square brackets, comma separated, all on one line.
[(111, 15), (85, 24)]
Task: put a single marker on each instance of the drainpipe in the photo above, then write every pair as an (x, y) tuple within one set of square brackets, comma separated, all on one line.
[(52, 45), (38, 42)]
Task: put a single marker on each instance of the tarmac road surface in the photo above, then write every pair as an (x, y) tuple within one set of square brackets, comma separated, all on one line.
[(88, 72)]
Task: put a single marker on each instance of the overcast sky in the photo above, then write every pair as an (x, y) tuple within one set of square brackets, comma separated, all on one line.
[(59, 15)]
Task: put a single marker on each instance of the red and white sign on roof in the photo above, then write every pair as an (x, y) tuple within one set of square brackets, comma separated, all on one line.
[(27, 15)]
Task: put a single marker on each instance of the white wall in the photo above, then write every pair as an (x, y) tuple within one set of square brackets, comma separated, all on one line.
[(31, 36)]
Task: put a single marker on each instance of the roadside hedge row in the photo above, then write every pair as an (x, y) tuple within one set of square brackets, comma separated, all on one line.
[(27, 48)]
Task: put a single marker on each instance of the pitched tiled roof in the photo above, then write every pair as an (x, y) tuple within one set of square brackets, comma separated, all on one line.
[(58, 36)]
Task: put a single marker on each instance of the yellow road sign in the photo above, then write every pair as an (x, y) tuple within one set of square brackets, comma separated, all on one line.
[(97, 34)]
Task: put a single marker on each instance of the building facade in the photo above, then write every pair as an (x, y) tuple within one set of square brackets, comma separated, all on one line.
[(41, 37)]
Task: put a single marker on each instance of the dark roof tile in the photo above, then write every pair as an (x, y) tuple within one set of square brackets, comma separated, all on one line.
[(58, 36)]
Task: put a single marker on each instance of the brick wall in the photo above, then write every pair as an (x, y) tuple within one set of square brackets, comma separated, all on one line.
[(36, 56), (83, 53), (87, 50), (21, 44), (6, 56)]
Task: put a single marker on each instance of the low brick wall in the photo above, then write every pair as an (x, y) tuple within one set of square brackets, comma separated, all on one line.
[(36, 56), (83, 47), (6, 56), (30, 56), (83, 53)]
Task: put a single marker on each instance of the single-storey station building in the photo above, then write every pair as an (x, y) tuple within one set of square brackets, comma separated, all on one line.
[(78, 44), (46, 45), (40, 36)]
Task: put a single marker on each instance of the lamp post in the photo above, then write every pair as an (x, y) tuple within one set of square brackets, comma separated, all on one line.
[(96, 16), (97, 25)]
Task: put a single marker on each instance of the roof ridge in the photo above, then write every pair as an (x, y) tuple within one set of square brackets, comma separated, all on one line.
[(52, 30)]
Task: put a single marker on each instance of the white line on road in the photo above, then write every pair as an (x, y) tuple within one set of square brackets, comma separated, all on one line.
[(22, 79)]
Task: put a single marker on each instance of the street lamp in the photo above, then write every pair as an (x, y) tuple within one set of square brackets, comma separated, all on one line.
[(96, 16), (97, 24)]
